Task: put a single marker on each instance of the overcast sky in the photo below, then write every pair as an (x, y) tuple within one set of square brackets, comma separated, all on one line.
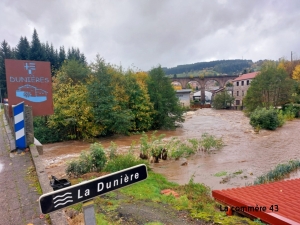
[(145, 33)]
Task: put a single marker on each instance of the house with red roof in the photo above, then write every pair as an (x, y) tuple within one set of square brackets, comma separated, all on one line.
[(240, 87)]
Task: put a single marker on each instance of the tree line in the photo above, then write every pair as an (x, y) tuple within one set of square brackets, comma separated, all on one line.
[(36, 51), (235, 66), (102, 99)]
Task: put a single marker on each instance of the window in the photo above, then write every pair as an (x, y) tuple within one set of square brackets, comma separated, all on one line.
[(237, 83), (242, 83), (237, 102), (242, 93), (248, 82), (237, 93)]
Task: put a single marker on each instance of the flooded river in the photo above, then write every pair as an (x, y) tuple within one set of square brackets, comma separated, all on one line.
[(245, 155)]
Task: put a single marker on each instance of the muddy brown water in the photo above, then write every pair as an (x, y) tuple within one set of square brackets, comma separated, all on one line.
[(245, 155)]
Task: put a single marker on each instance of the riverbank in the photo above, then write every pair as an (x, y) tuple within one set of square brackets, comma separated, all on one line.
[(245, 156)]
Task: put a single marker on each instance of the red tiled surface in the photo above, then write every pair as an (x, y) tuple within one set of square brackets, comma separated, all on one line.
[(284, 194), (246, 76)]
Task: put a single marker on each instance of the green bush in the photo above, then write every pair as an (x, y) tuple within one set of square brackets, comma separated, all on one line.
[(281, 118), (121, 162), (292, 109), (94, 160), (45, 134), (264, 118), (209, 142), (98, 157)]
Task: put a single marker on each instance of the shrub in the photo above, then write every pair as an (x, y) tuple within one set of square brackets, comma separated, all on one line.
[(44, 133), (292, 108), (121, 162), (88, 161), (98, 157), (281, 118), (264, 118), (80, 166), (209, 142)]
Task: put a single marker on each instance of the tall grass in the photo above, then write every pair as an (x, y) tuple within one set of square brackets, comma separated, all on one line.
[(278, 173)]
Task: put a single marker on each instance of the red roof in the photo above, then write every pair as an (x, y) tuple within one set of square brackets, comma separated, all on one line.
[(284, 196), (246, 76)]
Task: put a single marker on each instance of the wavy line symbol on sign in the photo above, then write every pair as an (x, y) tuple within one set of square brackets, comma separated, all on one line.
[(62, 199)]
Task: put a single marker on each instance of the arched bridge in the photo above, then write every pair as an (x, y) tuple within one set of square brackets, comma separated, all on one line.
[(222, 80)]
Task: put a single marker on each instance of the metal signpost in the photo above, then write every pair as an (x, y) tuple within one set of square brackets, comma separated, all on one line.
[(85, 191)]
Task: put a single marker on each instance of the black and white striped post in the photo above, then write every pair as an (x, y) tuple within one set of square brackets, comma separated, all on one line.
[(19, 125)]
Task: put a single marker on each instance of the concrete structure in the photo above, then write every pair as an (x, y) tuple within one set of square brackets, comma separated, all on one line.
[(184, 96), (240, 87), (222, 80)]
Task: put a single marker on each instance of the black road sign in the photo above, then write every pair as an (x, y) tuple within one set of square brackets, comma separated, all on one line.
[(87, 190)]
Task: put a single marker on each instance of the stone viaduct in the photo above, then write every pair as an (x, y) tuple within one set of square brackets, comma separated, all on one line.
[(222, 80)]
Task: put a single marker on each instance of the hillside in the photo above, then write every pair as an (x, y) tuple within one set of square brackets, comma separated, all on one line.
[(218, 67)]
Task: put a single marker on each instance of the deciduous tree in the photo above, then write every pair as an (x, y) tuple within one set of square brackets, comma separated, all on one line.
[(271, 87)]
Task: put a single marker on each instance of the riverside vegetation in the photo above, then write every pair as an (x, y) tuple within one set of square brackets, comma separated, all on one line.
[(194, 204), (100, 159)]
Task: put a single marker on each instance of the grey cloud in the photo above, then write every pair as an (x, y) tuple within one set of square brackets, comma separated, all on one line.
[(150, 32)]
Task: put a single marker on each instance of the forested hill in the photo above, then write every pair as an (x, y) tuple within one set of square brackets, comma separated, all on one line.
[(235, 66)]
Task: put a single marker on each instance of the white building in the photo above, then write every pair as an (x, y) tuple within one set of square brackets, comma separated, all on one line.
[(184, 96)]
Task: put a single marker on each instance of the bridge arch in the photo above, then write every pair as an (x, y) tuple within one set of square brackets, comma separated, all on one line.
[(222, 80)]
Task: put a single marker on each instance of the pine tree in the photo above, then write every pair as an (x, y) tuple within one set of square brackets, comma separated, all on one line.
[(5, 53), (61, 56), (22, 49), (37, 52)]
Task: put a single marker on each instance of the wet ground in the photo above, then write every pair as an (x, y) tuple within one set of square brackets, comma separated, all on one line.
[(245, 155)]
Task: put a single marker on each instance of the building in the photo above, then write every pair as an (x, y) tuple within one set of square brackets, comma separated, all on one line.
[(240, 87), (208, 96), (184, 96)]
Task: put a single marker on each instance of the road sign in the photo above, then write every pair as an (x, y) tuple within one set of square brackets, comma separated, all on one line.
[(87, 190)]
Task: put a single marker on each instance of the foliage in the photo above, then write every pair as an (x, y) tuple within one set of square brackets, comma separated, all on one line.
[(176, 148), (112, 150), (222, 100), (281, 118), (46, 134), (98, 157), (72, 112), (94, 160), (296, 73), (291, 110), (110, 114), (278, 173), (209, 142), (265, 119), (139, 101), (152, 146), (123, 161), (167, 108), (271, 87)]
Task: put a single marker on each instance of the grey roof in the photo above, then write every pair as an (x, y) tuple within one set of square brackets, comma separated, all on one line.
[(184, 91)]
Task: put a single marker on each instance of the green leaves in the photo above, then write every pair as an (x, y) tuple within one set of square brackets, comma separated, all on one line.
[(222, 100), (271, 87), (167, 109)]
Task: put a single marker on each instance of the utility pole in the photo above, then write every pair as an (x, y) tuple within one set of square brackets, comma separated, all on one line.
[(291, 56)]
